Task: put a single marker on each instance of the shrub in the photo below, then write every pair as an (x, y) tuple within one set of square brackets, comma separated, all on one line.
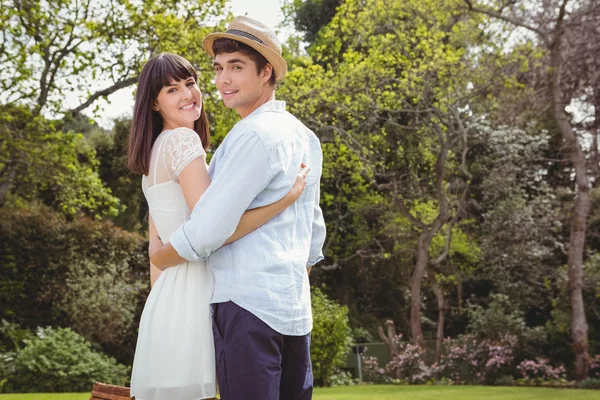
[(505, 380), (468, 359), (330, 340), (104, 294), (12, 336), (539, 370), (362, 335), (409, 365), (595, 367), (589, 383), (371, 370), (55, 272), (495, 322), (502, 319), (343, 378), (7, 368), (60, 360)]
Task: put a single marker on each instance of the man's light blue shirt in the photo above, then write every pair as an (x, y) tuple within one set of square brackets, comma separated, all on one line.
[(265, 271)]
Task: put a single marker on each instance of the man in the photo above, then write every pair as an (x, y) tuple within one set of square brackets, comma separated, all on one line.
[(261, 304)]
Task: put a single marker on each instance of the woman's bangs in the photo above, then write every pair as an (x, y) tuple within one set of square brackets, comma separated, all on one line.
[(170, 68)]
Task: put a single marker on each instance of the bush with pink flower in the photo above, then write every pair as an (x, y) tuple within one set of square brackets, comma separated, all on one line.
[(371, 370), (595, 367), (539, 371), (467, 359), (410, 365)]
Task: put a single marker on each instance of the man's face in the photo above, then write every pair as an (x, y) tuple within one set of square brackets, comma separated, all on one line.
[(238, 82)]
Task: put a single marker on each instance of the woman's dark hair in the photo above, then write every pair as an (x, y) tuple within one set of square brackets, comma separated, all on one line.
[(147, 124), (226, 45)]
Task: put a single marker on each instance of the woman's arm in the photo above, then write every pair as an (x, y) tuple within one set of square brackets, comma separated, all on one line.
[(152, 235), (194, 180), (257, 217)]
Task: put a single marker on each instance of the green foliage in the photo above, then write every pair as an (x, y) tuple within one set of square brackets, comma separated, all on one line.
[(111, 151), (361, 335), (13, 336), (89, 49), (502, 318), (39, 164), (309, 16), (505, 380), (589, 383), (463, 247), (350, 203), (522, 212), (86, 274), (60, 360), (105, 294), (343, 378), (386, 92), (499, 319), (330, 338)]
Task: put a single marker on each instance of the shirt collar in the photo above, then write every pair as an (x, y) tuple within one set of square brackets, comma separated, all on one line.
[(269, 106)]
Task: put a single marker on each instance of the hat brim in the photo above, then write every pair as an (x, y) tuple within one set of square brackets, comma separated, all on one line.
[(276, 61)]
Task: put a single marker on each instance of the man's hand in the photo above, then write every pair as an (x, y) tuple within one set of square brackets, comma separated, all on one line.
[(163, 255)]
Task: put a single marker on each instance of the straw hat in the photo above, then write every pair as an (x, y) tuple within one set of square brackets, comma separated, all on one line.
[(256, 35)]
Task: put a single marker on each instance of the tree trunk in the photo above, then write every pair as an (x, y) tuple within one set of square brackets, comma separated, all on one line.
[(579, 326), (441, 301), (5, 185), (459, 295), (416, 281), (390, 340), (580, 211)]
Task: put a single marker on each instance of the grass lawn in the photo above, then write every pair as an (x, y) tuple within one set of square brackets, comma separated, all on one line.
[(387, 392), (383, 392)]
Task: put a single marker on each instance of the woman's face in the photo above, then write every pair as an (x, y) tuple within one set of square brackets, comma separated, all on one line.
[(179, 104)]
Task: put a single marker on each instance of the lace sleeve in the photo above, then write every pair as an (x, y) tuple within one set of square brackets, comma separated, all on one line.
[(181, 148)]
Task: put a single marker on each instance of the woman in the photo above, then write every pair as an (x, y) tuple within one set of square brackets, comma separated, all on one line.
[(174, 356)]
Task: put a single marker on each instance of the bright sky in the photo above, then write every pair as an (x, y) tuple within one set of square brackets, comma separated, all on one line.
[(121, 103)]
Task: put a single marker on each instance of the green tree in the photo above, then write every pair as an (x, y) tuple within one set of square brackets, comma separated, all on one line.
[(309, 16), (90, 49), (40, 164), (111, 150), (520, 234), (395, 82), (566, 33)]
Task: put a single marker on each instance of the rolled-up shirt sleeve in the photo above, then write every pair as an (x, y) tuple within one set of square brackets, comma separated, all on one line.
[(243, 174), (318, 232)]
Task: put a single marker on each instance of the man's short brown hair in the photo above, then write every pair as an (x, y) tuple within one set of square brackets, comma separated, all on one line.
[(231, 46)]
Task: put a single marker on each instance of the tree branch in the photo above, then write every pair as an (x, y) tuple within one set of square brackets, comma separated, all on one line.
[(406, 212), (439, 259), (105, 92), (513, 21)]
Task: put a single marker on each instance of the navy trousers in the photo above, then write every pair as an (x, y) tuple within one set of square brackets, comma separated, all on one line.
[(254, 362)]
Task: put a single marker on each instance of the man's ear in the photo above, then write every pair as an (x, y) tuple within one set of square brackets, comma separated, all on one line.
[(267, 71)]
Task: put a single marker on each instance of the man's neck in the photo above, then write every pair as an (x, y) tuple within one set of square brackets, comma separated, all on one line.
[(265, 98)]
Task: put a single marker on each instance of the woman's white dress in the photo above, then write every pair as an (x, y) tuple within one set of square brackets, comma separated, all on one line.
[(174, 357)]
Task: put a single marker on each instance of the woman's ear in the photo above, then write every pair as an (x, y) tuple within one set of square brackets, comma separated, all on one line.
[(155, 107)]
